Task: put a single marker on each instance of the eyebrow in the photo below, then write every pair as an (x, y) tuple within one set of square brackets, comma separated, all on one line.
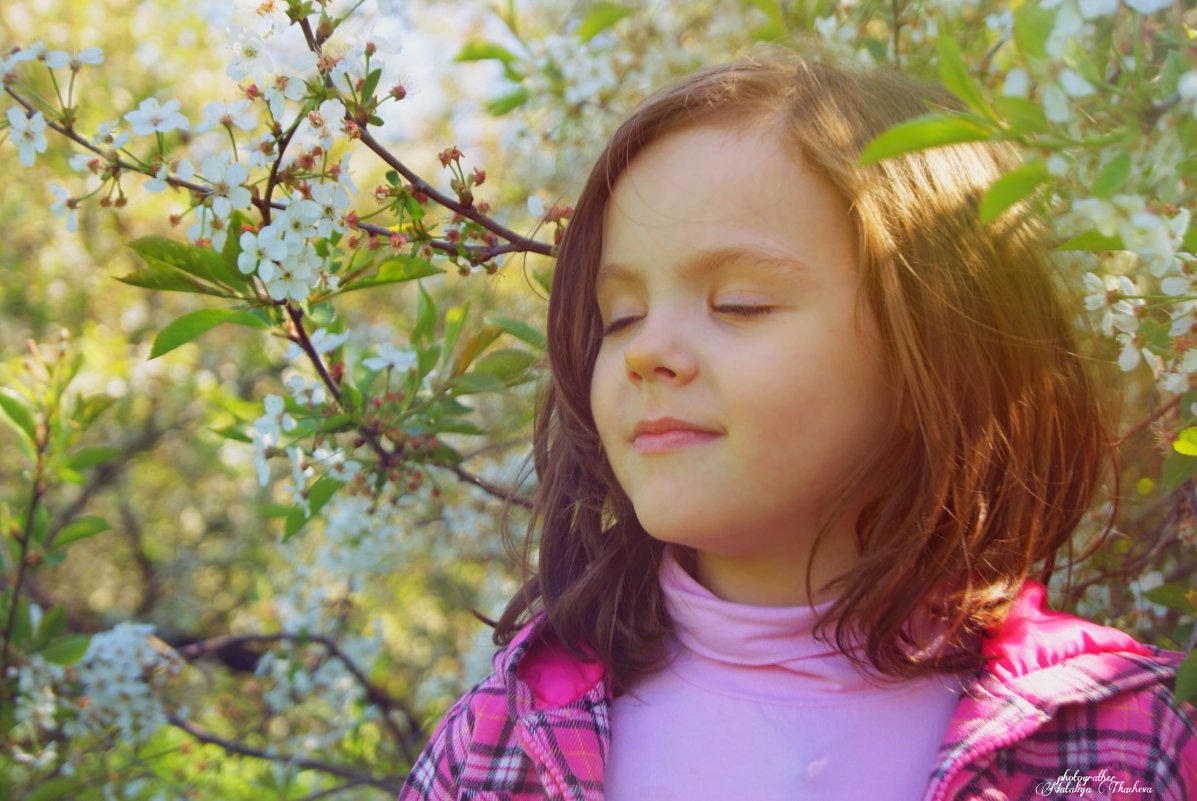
[(706, 261)]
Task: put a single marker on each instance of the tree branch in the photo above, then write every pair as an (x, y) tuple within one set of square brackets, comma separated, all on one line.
[(391, 784)]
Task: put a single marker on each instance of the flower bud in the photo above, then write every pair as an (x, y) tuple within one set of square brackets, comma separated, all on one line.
[(398, 91)]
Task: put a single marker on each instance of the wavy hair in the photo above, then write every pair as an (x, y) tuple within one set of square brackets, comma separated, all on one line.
[(1002, 441)]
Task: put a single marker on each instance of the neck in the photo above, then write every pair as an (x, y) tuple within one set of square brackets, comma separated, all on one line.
[(777, 577)]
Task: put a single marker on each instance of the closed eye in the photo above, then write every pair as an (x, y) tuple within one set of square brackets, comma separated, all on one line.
[(739, 311), (743, 311)]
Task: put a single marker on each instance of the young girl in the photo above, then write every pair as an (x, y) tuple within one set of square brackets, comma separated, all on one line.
[(811, 430)]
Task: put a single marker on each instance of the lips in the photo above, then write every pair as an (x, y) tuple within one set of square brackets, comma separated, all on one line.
[(669, 434)]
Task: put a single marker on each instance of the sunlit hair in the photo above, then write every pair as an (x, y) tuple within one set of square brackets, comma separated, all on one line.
[(1001, 440)]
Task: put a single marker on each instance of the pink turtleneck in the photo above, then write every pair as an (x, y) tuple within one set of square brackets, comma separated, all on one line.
[(751, 706)]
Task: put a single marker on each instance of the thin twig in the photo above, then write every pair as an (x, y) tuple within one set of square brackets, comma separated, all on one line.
[(374, 693), (470, 212), (391, 784)]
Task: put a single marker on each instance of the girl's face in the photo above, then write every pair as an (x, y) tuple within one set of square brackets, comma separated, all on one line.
[(728, 295)]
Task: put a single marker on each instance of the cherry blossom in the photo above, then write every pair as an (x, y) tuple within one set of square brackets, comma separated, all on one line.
[(58, 59), (236, 113), (226, 179), (64, 206), (150, 117), (390, 357), (28, 134)]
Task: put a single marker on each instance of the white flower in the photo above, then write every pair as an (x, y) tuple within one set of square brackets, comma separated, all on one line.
[(1074, 84), (65, 205), (1092, 9), (299, 475), (1187, 85), (1017, 83), (293, 280), (249, 57), (226, 179), (338, 466), (391, 357), (260, 251), (210, 227), (331, 200), (81, 161), (326, 122), (1149, 6), (344, 180), (298, 220), (34, 51), (322, 342), (1132, 353), (536, 206), (28, 134), (305, 393), (108, 136), (150, 117), (57, 59), (267, 432), (1055, 104), (1102, 214), (181, 168), (237, 113)]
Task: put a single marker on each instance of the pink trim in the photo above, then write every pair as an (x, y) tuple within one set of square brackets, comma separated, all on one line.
[(555, 676), (1035, 636)]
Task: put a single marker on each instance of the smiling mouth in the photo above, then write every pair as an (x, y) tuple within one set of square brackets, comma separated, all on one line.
[(665, 441)]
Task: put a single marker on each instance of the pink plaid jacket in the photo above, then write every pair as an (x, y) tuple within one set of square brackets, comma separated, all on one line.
[(1064, 709)]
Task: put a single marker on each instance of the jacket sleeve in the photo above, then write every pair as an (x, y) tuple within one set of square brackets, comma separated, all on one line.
[(1175, 725), (434, 775)]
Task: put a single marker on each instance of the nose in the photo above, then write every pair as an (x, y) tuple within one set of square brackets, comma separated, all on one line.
[(660, 351)]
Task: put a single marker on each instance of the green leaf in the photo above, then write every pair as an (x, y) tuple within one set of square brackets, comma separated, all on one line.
[(953, 73), (485, 51), (455, 427), (1177, 469), (1011, 188), (600, 18), (54, 789), (1172, 596), (1186, 678), (425, 317), (507, 102), (66, 650), (90, 457), (318, 495), (427, 358), (1175, 65), (50, 626), (769, 32), (394, 270), (1021, 115), (41, 523), (772, 10), (509, 364), (1092, 240), (371, 83), (1186, 442), (474, 383), (22, 629), (232, 432), (203, 263), (519, 330), (80, 528), (192, 325), (921, 133), (168, 279), (16, 411), (1112, 176), (1032, 27), (455, 319)]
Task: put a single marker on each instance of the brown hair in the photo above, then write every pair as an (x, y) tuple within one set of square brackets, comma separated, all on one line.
[(1002, 442)]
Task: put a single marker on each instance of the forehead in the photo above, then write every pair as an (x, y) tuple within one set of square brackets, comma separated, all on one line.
[(717, 190)]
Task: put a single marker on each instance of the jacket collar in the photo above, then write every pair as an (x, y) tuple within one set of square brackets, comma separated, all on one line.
[(1039, 661)]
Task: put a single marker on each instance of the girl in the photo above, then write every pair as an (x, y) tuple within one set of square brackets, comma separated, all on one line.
[(811, 430)]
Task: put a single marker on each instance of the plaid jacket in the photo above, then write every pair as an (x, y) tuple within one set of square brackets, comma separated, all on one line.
[(1064, 709)]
